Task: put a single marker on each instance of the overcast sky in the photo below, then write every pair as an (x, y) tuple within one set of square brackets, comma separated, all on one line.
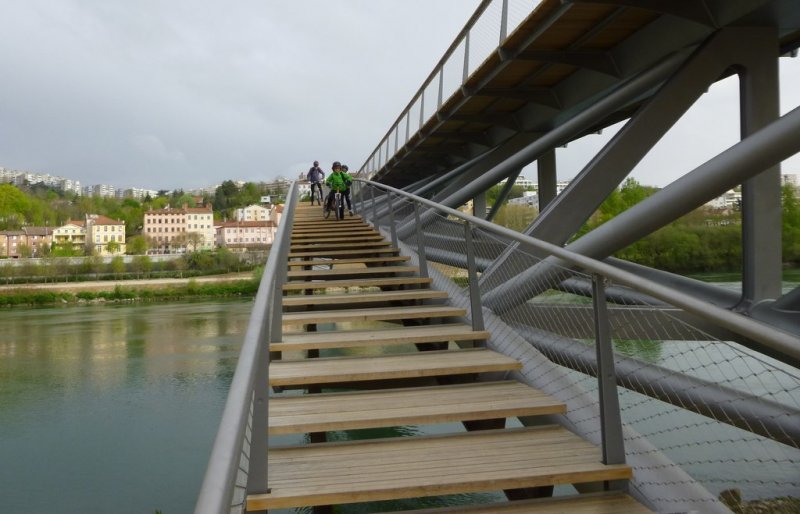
[(187, 93)]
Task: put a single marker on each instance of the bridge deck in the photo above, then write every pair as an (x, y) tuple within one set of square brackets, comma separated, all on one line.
[(431, 372)]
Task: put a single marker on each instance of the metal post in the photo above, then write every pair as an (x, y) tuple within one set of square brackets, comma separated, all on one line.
[(465, 76), (441, 86), (504, 22), (548, 183), (392, 228), (421, 109), (610, 421), (423, 259), (374, 209), (408, 126), (472, 275)]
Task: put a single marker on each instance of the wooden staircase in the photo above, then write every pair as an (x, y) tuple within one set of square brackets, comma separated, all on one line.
[(433, 370)]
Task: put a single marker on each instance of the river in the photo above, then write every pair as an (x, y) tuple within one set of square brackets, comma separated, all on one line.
[(114, 408)]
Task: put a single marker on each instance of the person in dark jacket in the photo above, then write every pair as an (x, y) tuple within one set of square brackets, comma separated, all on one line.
[(316, 176)]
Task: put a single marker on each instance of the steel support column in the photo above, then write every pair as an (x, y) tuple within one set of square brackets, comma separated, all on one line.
[(548, 181), (761, 195)]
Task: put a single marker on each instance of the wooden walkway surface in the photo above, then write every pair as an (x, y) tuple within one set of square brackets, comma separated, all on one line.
[(423, 365)]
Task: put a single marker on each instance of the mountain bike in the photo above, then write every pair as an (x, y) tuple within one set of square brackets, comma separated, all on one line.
[(316, 192), (338, 204)]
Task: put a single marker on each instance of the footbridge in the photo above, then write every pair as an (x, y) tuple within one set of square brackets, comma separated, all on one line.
[(417, 354)]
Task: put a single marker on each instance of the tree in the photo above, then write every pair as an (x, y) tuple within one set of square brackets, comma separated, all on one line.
[(24, 251), (137, 245), (113, 247), (516, 217), (193, 239), (141, 264), (117, 266)]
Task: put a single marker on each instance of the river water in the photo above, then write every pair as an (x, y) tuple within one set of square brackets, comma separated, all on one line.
[(114, 408)]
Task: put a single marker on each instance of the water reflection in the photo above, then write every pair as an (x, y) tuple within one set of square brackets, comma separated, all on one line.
[(113, 408)]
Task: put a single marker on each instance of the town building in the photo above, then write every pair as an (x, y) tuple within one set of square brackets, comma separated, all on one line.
[(12, 242), (253, 212), (245, 235), (72, 233), (172, 229), (104, 236)]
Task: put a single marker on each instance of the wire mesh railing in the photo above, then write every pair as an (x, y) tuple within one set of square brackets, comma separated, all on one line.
[(490, 25), (695, 409)]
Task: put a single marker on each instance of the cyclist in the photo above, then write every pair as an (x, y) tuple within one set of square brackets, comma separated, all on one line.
[(337, 182), (348, 180), (315, 177)]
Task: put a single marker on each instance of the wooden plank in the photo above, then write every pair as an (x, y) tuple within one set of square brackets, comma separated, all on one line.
[(364, 282), (407, 467), (333, 370), (383, 296), (335, 245), (293, 341), (312, 232), (349, 272), (611, 502), (345, 239), (379, 314), (355, 260), (410, 406), (341, 253)]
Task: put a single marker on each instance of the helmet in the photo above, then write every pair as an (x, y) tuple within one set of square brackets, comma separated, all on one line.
[(336, 164), (316, 163), (344, 167)]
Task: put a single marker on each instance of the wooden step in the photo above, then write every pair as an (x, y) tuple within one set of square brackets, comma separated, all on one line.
[(343, 239), (342, 253), (294, 341), (348, 221), (406, 467), (337, 245), (312, 232), (355, 260), (383, 296), (411, 406), (340, 273), (364, 282), (332, 370), (612, 502), (379, 314)]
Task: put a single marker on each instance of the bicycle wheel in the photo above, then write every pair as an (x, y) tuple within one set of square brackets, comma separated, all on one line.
[(325, 211), (339, 208)]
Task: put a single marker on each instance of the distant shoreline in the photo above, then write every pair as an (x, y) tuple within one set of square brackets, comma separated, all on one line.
[(159, 289)]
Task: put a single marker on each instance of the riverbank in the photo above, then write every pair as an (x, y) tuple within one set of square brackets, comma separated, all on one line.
[(230, 284)]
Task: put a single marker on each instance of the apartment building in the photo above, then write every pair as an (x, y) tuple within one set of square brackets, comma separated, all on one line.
[(242, 235), (12, 242), (104, 236), (73, 233), (176, 229), (253, 212)]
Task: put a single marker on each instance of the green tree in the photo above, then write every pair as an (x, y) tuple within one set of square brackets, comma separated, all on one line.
[(113, 247), (514, 216), (791, 225), (137, 245), (117, 266), (141, 264)]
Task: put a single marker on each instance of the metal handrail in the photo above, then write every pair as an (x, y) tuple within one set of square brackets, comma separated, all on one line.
[(774, 339), (437, 72), (223, 467)]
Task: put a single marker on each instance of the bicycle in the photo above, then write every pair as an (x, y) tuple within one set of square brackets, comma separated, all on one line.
[(316, 192), (338, 204)]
